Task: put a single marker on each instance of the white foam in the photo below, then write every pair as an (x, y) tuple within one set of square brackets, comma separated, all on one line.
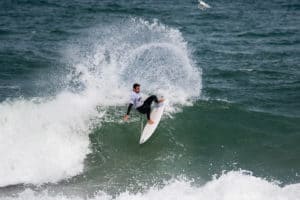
[(230, 186), (43, 140), (202, 5), (46, 139)]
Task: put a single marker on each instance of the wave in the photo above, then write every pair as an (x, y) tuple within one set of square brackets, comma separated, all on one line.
[(239, 185), (46, 139)]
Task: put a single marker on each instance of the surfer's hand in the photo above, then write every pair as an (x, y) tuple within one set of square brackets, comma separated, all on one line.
[(126, 117)]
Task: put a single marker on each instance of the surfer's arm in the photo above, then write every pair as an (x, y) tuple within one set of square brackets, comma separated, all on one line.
[(128, 111), (129, 108)]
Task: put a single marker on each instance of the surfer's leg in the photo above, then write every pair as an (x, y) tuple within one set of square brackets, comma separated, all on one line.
[(146, 107), (150, 99), (148, 116), (148, 113), (146, 110)]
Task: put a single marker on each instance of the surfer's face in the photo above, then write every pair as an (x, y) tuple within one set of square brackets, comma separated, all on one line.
[(137, 89)]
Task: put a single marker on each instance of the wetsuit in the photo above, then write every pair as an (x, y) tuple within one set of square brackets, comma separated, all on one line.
[(139, 105)]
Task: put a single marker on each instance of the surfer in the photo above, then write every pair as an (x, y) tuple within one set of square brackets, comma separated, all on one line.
[(139, 105)]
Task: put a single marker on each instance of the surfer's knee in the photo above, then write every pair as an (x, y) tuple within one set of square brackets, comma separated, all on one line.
[(154, 97)]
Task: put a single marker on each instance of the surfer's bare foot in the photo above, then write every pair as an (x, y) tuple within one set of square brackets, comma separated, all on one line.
[(161, 100), (150, 121)]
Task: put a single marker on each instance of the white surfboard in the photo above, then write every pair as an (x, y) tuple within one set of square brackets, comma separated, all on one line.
[(155, 115)]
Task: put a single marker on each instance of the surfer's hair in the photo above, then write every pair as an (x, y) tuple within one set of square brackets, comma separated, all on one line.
[(136, 85)]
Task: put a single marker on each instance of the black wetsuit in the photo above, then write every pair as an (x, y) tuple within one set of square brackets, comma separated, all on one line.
[(146, 107)]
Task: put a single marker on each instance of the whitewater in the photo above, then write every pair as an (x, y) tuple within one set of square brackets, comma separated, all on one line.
[(234, 185)]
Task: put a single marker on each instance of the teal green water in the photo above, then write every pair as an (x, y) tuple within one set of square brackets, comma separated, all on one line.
[(242, 139)]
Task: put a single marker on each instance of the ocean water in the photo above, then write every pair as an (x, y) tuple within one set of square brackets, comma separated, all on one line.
[(231, 72)]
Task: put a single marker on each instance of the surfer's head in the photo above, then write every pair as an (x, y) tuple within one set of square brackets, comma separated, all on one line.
[(136, 87)]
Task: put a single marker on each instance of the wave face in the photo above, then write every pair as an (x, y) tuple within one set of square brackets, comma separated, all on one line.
[(46, 139), (239, 185)]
